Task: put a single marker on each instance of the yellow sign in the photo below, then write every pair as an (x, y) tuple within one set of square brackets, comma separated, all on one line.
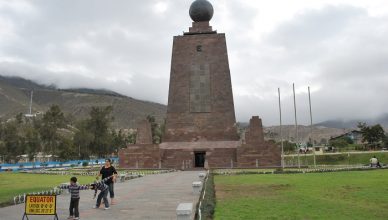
[(41, 205)]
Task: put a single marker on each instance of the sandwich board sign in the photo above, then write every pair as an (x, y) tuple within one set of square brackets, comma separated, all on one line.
[(40, 205)]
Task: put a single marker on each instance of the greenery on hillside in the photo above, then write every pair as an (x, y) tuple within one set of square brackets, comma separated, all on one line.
[(76, 104), (53, 134), (341, 195)]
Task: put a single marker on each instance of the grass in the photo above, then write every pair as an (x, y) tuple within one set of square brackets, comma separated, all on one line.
[(12, 184), (341, 195), (337, 159)]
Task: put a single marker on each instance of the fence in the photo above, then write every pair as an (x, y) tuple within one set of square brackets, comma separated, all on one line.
[(202, 197), (19, 199)]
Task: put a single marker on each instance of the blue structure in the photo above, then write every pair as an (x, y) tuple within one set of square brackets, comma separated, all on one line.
[(52, 164)]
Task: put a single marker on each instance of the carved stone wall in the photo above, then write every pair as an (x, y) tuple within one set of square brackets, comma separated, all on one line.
[(144, 132), (200, 102)]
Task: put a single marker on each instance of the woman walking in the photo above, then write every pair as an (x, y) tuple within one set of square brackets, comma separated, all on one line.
[(106, 171)]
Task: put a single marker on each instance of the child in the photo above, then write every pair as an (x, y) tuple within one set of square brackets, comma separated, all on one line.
[(74, 189), (101, 185)]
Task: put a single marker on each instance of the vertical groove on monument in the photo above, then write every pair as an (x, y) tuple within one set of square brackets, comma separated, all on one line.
[(200, 102)]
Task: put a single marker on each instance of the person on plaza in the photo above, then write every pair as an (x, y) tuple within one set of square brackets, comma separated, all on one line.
[(74, 189), (374, 162), (106, 171), (103, 195)]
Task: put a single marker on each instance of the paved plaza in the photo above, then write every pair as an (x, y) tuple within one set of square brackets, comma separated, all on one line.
[(150, 197)]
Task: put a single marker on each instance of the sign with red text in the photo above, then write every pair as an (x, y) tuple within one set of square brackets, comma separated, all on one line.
[(41, 205)]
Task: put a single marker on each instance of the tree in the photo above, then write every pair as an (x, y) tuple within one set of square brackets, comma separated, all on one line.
[(373, 135), (340, 142), (118, 140), (386, 141), (156, 130), (12, 142), (52, 120), (32, 141), (131, 138), (82, 139), (98, 125), (19, 118), (67, 150), (288, 146)]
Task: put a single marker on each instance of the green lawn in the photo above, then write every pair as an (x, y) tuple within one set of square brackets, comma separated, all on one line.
[(340, 195), (12, 184)]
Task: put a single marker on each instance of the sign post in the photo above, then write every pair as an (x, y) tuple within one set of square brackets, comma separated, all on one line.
[(40, 205)]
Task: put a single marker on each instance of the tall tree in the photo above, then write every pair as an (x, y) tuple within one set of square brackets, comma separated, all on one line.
[(98, 125), (373, 135), (52, 120), (82, 139), (32, 143), (11, 142), (67, 149)]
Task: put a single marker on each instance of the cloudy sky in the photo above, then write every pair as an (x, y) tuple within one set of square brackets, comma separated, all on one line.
[(337, 47)]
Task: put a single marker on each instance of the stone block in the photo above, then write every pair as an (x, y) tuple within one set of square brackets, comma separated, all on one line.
[(197, 187), (184, 211), (202, 176)]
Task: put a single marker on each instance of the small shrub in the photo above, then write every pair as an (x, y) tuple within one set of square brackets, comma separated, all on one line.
[(85, 163), (209, 202)]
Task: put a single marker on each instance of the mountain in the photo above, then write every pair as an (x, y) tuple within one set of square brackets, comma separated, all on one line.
[(382, 120), (339, 123), (15, 98), (320, 134)]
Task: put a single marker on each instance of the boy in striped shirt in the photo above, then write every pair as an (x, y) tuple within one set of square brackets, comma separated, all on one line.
[(74, 189), (101, 185)]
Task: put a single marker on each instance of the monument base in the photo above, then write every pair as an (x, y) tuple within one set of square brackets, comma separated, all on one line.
[(250, 152), (197, 155)]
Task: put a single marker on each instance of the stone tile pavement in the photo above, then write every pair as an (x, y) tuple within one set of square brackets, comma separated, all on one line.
[(150, 197)]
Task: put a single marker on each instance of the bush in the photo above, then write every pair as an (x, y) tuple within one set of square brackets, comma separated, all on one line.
[(209, 202), (85, 163), (279, 170)]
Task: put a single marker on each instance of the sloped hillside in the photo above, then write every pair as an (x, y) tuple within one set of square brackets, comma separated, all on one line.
[(15, 98)]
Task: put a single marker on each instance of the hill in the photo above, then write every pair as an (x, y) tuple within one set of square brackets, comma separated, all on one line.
[(15, 98), (320, 134), (382, 120)]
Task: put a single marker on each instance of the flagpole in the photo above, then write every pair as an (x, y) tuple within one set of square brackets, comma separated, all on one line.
[(311, 129), (281, 130), (296, 125)]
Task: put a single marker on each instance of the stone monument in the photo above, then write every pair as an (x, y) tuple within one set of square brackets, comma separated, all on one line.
[(200, 129)]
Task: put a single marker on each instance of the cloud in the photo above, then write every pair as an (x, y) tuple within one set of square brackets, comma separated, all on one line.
[(336, 47), (337, 50)]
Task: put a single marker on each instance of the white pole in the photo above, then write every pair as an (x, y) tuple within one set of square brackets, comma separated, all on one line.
[(32, 93), (311, 129), (281, 130), (296, 125)]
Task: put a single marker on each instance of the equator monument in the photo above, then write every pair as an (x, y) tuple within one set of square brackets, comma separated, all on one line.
[(200, 129)]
